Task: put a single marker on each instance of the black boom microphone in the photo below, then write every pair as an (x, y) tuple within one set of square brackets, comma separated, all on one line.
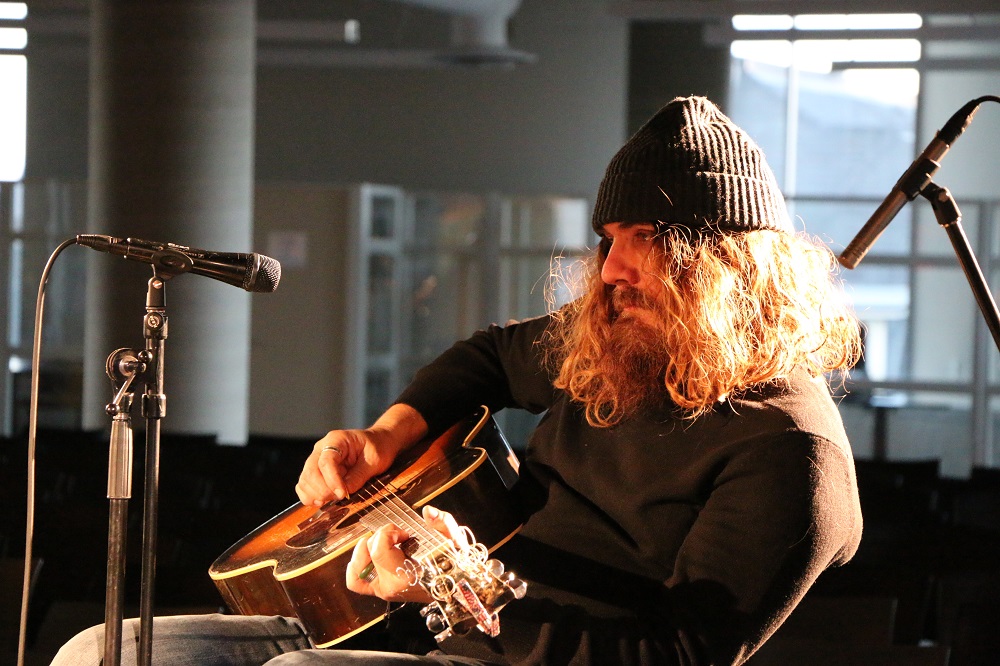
[(253, 272), (910, 184)]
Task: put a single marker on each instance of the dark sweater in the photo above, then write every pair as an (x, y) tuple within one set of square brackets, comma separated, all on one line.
[(658, 540)]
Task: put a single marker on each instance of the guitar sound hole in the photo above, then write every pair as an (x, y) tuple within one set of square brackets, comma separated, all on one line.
[(315, 531)]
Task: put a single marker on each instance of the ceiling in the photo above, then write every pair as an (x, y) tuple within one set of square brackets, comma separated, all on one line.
[(447, 33), (701, 9)]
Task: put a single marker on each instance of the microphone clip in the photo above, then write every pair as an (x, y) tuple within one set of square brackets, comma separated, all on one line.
[(916, 179), (170, 262)]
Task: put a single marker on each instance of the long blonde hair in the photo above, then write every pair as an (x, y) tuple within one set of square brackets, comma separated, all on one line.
[(741, 309)]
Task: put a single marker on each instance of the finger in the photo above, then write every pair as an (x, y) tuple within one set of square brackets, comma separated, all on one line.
[(357, 475), (330, 461), (444, 522), (311, 494), (304, 496), (384, 551), (312, 487), (393, 583), (376, 565), (360, 568)]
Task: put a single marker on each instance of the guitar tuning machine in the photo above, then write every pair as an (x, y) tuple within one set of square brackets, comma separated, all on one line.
[(494, 568), (435, 621), (516, 585)]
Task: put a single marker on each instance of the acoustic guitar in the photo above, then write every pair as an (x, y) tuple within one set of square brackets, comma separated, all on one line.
[(295, 564)]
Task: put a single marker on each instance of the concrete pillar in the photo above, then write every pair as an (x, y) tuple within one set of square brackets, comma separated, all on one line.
[(171, 159)]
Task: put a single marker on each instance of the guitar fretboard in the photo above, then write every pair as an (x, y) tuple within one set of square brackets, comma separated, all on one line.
[(388, 509)]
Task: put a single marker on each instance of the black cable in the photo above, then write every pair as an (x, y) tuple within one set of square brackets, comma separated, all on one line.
[(36, 353)]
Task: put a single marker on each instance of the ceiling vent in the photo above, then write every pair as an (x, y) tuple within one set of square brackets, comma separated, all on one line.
[(478, 32)]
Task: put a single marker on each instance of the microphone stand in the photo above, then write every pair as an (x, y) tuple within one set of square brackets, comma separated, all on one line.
[(122, 366), (125, 366), (950, 217), (154, 408)]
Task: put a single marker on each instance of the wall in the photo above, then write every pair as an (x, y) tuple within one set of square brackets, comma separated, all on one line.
[(543, 128), (57, 107), (298, 336), (669, 59), (546, 127)]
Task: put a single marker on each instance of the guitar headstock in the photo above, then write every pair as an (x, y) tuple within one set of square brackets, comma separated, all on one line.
[(468, 588)]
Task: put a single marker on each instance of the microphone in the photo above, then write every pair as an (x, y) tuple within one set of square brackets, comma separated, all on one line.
[(253, 272), (910, 184)]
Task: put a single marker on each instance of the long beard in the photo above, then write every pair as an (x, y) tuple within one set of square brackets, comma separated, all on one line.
[(635, 358)]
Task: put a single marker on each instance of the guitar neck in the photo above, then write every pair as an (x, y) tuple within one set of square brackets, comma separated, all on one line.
[(389, 509)]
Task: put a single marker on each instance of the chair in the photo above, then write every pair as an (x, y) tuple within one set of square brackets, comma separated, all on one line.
[(977, 502), (913, 588), (815, 652), (844, 620), (899, 490), (967, 608), (975, 636), (62, 620), (12, 582)]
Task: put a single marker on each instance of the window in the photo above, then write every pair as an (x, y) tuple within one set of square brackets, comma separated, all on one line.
[(13, 90), (847, 96), (474, 259), (839, 146)]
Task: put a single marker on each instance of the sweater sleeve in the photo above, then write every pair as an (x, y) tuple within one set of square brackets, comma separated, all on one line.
[(500, 366), (778, 515)]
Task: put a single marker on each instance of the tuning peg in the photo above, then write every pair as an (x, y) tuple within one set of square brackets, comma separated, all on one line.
[(494, 567), (517, 586), (433, 619)]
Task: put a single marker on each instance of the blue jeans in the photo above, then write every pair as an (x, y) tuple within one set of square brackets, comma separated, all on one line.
[(232, 640)]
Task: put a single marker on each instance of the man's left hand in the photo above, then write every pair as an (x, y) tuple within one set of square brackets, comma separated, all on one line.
[(380, 557)]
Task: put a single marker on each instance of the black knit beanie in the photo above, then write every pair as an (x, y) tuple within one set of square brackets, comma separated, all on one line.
[(690, 165)]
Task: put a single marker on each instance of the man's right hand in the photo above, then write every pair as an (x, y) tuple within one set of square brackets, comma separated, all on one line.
[(344, 460)]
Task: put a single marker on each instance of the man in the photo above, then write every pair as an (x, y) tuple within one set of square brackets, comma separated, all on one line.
[(690, 477)]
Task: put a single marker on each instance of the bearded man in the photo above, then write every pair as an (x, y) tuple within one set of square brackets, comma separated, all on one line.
[(690, 477)]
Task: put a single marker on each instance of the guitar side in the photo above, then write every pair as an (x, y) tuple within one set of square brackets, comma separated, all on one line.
[(295, 564)]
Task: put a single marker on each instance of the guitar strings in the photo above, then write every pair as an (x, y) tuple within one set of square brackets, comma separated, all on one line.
[(391, 509)]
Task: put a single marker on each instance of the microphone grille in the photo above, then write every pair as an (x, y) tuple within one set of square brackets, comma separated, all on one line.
[(265, 279)]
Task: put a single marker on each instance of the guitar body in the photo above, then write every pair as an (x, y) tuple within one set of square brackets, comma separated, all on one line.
[(295, 564)]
